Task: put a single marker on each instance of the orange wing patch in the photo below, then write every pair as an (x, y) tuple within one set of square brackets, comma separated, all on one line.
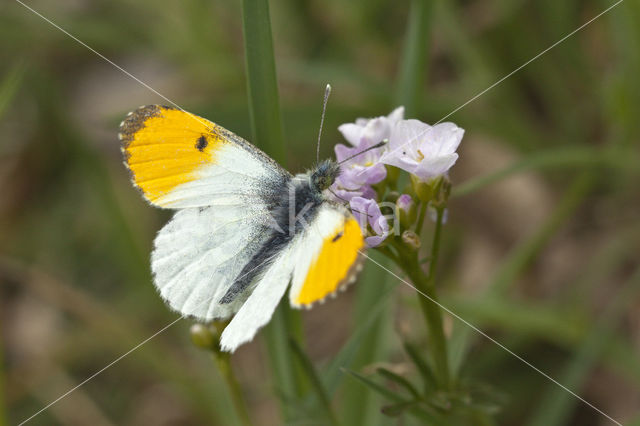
[(165, 146), (335, 266)]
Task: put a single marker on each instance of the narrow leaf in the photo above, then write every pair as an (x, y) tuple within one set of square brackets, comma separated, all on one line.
[(316, 383), (417, 411), (396, 378), (425, 370)]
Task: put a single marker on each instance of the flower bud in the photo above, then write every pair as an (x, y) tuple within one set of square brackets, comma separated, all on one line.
[(392, 196), (442, 191), (411, 239), (423, 190), (203, 337), (406, 210)]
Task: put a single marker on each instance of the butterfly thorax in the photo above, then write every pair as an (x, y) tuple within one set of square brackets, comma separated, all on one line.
[(295, 208), (323, 176)]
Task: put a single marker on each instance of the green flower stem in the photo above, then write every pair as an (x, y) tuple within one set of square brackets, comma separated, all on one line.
[(421, 216), (425, 283), (223, 361)]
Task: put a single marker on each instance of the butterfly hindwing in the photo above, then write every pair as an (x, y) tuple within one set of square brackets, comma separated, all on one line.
[(329, 256), (262, 302), (322, 259), (200, 252)]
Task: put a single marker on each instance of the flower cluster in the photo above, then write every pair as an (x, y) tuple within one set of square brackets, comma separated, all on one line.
[(369, 181)]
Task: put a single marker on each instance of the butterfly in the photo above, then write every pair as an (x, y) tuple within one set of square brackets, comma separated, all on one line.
[(243, 228)]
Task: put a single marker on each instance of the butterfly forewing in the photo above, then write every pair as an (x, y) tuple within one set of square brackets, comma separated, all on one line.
[(180, 160)]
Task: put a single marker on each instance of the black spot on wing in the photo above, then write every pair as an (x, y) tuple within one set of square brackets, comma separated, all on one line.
[(337, 237), (201, 143)]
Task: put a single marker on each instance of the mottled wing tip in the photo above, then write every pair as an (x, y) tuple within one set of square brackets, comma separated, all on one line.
[(134, 121)]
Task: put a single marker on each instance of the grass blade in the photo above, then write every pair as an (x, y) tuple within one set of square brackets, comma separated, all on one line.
[(316, 383), (266, 125), (520, 257), (422, 414), (262, 84), (556, 405), (396, 378), (413, 68), (425, 370), (371, 308)]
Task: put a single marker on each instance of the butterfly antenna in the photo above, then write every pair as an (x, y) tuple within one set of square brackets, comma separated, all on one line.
[(378, 145), (327, 92)]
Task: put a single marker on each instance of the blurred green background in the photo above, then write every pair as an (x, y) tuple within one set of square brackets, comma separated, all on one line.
[(540, 250)]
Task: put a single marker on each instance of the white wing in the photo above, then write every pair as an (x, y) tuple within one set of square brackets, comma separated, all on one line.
[(180, 160), (225, 187), (199, 253), (262, 302)]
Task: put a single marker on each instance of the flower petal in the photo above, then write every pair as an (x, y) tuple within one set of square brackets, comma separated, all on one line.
[(342, 152), (447, 137), (396, 115), (435, 166), (375, 131), (351, 132)]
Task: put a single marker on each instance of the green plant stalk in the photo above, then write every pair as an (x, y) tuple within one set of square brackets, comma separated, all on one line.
[(223, 361), (266, 126), (425, 283), (356, 406), (421, 216)]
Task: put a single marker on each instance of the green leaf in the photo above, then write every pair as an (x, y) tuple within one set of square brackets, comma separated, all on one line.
[(396, 378), (415, 410), (376, 387), (316, 383), (372, 307), (556, 405), (368, 324), (426, 373)]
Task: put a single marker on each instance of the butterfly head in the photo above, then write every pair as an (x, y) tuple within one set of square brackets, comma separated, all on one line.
[(323, 176)]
